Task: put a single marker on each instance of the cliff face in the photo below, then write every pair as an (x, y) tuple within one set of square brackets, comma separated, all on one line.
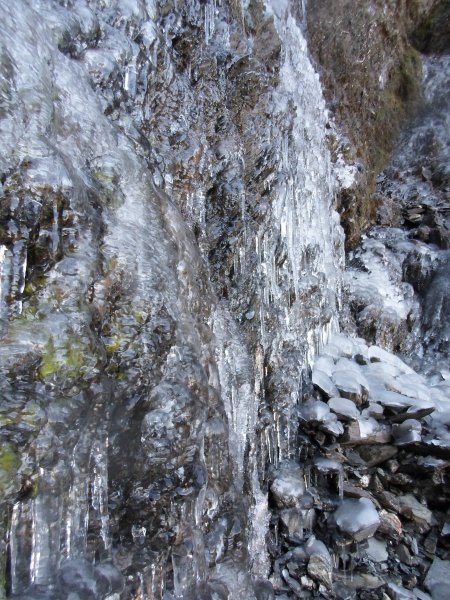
[(172, 263), (371, 71)]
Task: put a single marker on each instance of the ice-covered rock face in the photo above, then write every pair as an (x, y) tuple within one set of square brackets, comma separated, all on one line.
[(170, 268), (398, 276), (170, 264)]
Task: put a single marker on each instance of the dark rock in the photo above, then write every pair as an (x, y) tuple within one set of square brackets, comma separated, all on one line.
[(377, 454), (411, 508)]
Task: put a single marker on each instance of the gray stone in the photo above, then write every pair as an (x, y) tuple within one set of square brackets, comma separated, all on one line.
[(403, 554), (390, 524), (411, 508), (377, 454), (376, 550), (320, 564), (437, 580), (397, 592)]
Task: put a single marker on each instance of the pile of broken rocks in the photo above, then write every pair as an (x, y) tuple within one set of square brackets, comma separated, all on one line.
[(364, 512)]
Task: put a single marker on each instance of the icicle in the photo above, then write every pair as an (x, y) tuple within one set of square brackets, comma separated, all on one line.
[(210, 16)]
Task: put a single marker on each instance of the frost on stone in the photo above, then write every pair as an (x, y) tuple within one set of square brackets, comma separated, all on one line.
[(288, 489), (376, 550), (367, 430), (349, 386), (407, 432), (344, 409), (314, 411), (357, 519), (324, 383)]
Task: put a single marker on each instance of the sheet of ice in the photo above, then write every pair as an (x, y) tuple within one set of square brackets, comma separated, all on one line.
[(324, 383), (348, 384), (377, 354), (346, 346), (345, 364), (345, 409), (324, 364)]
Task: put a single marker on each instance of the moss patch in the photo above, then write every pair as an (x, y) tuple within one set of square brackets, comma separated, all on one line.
[(71, 360), (9, 464)]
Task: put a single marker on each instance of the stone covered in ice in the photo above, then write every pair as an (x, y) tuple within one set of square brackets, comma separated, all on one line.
[(348, 347), (374, 410), (324, 364), (328, 466), (314, 411), (381, 371), (395, 400), (357, 519), (407, 432), (377, 354), (344, 409), (349, 386), (295, 520), (331, 425), (323, 383), (411, 388), (367, 431), (345, 364), (288, 488)]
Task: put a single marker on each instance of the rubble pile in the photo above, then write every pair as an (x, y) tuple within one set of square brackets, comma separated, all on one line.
[(367, 513)]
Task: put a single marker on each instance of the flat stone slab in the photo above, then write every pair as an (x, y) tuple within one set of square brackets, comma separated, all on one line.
[(344, 408), (411, 508), (376, 550), (437, 580)]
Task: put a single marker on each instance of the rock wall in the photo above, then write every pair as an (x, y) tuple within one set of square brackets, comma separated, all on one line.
[(371, 71)]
